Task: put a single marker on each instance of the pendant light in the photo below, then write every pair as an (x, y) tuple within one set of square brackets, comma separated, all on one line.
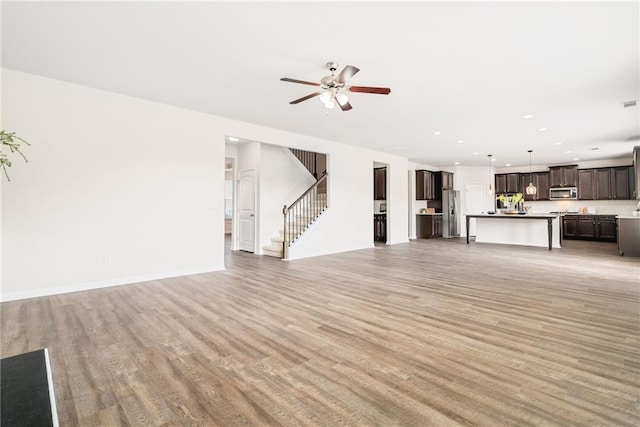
[(531, 189), (490, 186)]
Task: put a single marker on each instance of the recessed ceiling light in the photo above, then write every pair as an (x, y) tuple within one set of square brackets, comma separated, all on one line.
[(233, 139), (508, 164), (475, 154), (542, 129), (576, 158), (460, 142), (568, 152), (437, 132), (456, 163), (528, 116), (558, 143)]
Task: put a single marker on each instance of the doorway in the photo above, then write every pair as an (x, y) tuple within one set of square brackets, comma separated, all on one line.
[(380, 201)]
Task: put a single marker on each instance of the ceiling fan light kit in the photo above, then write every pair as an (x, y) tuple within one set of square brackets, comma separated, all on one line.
[(333, 88)]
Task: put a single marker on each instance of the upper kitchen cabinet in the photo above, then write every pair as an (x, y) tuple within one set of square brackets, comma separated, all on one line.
[(563, 176), (501, 183), (613, 183), (380, 184), (540, 180), (508, 183), (447, 180), (586, 184), (425, 185), (605, 183)]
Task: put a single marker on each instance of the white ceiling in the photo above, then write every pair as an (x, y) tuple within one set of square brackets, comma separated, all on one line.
[(468, 70)]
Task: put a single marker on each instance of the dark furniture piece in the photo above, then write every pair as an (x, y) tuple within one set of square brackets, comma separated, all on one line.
[(428, 226), (380, 184), (563, 176), (380, 227)]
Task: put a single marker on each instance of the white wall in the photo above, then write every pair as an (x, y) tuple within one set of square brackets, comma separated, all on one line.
[(348, 223), (119, 190), (282, 180)]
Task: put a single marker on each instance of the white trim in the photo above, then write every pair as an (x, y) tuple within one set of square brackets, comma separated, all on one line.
[(52, 397), (104, 283)]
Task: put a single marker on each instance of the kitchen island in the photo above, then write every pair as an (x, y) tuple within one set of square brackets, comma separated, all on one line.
[(542, 230)]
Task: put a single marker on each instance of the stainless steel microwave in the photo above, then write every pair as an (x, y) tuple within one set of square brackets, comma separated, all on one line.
[(565, 193)]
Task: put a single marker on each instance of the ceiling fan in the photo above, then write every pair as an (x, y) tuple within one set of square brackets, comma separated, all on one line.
[(334, 89)]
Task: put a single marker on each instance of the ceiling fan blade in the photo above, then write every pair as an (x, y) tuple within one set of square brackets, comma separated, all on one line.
[(345, 106), (369, 89), (286, 79), (304, 98), (348, 72)]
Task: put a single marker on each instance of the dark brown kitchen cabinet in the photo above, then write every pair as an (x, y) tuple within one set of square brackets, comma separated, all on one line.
[(380, 227), (620, 187), (586, 184), (613, 183), (447, 180), (563, 176), (589, 227), (428, 226), (606, 228), (569, 227), (380, 184), (425, 185), (508, 183), (541, 182), (501, 183)]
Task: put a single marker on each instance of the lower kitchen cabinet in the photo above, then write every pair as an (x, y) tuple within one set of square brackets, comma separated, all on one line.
[(380, 227), (606, 228), (589, 227), (570, 227), (428, 226)]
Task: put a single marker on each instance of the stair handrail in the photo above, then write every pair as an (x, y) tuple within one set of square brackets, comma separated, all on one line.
[(293, 231)]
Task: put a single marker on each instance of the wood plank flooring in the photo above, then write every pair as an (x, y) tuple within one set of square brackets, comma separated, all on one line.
[(429, 333)]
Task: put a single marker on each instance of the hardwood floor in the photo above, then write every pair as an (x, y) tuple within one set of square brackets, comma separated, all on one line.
[(433, 332)]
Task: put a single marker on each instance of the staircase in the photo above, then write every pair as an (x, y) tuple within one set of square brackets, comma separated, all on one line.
[(307, 208), (300, 222)]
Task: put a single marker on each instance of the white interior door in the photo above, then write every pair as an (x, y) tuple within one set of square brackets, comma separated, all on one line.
[(474, 204), (247, 210)]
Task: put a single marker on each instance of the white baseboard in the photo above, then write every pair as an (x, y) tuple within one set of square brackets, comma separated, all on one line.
[(57, 290)]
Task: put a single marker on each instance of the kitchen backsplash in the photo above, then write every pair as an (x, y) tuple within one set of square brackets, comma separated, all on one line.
[(610, 207)]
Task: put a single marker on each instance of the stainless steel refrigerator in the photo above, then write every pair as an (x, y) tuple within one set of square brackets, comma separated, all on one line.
[(450, 213)]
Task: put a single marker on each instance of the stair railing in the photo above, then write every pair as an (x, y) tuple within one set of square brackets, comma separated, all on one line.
[(303, 212)]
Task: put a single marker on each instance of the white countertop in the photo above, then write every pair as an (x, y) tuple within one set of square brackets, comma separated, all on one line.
[(420, 213), (628, 216)]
